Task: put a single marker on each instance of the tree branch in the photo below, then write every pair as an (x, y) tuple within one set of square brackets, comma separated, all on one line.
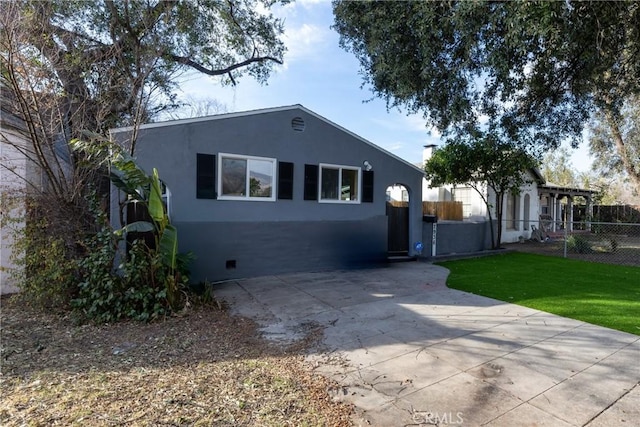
[(190, 63), (621, 148)]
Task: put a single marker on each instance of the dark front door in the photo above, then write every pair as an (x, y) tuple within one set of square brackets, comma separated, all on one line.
[(398, 229)]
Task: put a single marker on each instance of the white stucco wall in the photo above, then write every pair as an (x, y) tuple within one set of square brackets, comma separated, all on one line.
[(522, 226), (526, 216), (475, 208), (12, 185), (429, 194)]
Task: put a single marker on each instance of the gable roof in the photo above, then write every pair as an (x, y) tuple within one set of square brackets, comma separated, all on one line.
[(537, 175), (264, 111)]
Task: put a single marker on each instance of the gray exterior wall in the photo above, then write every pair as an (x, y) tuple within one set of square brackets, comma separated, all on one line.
[(285, 235), (457, 237)]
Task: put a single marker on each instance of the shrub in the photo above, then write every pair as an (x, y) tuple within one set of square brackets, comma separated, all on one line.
[(66, 256), (45, 268), (579, 244), (133, 292), (137, 289)]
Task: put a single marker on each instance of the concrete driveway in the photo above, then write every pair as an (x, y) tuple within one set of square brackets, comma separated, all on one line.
[(406, 350)]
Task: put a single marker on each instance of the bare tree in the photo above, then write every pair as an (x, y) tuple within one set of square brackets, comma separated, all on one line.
[(191, 107), (75, 69)]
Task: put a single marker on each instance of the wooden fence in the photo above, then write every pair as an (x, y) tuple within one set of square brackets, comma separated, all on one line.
[(616, 213), (451, 211)]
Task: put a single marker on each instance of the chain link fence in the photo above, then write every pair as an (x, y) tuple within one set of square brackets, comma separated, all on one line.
[(606, 242)]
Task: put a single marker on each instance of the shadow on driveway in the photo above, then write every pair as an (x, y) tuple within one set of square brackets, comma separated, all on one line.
[(407, 350)]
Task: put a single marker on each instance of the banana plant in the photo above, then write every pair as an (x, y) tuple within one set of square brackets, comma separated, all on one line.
[(167, 233), (127, 176), (147, 189), (140, 187)]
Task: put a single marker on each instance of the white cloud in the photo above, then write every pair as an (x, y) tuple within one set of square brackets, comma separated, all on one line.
[(304, 35), (311, 3), (304, 42)]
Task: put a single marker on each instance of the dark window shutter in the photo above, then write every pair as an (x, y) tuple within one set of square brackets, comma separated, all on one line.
[(311, 182), (206, 176), (285, 180), (367, 186)]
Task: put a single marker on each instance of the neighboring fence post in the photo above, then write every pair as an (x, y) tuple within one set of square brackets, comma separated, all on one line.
[(565, 240)]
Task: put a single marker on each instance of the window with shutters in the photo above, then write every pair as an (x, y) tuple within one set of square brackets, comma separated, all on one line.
[(205, 176), (285, 181), (339, 184), (246, 177), (311, 182)]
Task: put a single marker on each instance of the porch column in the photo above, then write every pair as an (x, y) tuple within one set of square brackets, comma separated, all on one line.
[(555, 212), (588, 213), (551, 203), (559, 217), (570, 213)]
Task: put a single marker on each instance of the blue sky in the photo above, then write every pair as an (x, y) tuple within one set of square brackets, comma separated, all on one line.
[(320, 75)]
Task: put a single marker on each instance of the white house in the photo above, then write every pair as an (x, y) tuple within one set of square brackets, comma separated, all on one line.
[(20, 175), (539, 204), (13, 183)]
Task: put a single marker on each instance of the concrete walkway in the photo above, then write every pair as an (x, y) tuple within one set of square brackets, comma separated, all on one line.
[(406, 350)]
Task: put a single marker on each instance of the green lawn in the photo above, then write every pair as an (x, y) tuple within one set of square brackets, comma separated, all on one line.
[(602, 294)]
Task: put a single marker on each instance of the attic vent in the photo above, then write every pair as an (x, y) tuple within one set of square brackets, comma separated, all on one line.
[(297, 124)]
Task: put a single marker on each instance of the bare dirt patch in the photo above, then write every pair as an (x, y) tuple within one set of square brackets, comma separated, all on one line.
[(204, 368)]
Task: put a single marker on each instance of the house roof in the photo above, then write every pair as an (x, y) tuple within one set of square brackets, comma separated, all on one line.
[(263, 111), (549, 187), (8, 118), (537, 175), (566, 191)]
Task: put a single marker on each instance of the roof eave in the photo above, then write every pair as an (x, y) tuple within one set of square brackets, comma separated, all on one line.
[(263, 111)]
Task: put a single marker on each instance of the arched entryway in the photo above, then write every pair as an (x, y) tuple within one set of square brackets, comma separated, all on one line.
[(398, 220)]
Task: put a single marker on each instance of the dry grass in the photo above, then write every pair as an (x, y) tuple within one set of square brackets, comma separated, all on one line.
[(205, 368)]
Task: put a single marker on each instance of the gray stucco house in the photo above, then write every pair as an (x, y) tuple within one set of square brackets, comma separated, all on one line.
[(275, 190)]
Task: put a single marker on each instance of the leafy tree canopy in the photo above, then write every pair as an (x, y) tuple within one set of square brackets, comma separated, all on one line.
[(116, 62), (72, 66), (481, 163), (73, 69), (609, 159), (536, 70), (557, 169)]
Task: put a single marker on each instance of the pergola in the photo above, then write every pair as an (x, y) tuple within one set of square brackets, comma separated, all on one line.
[(555, 194)]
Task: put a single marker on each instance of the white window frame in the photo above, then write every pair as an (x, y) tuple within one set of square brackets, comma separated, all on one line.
[(274, 176), (166, 198), (340, 168)]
